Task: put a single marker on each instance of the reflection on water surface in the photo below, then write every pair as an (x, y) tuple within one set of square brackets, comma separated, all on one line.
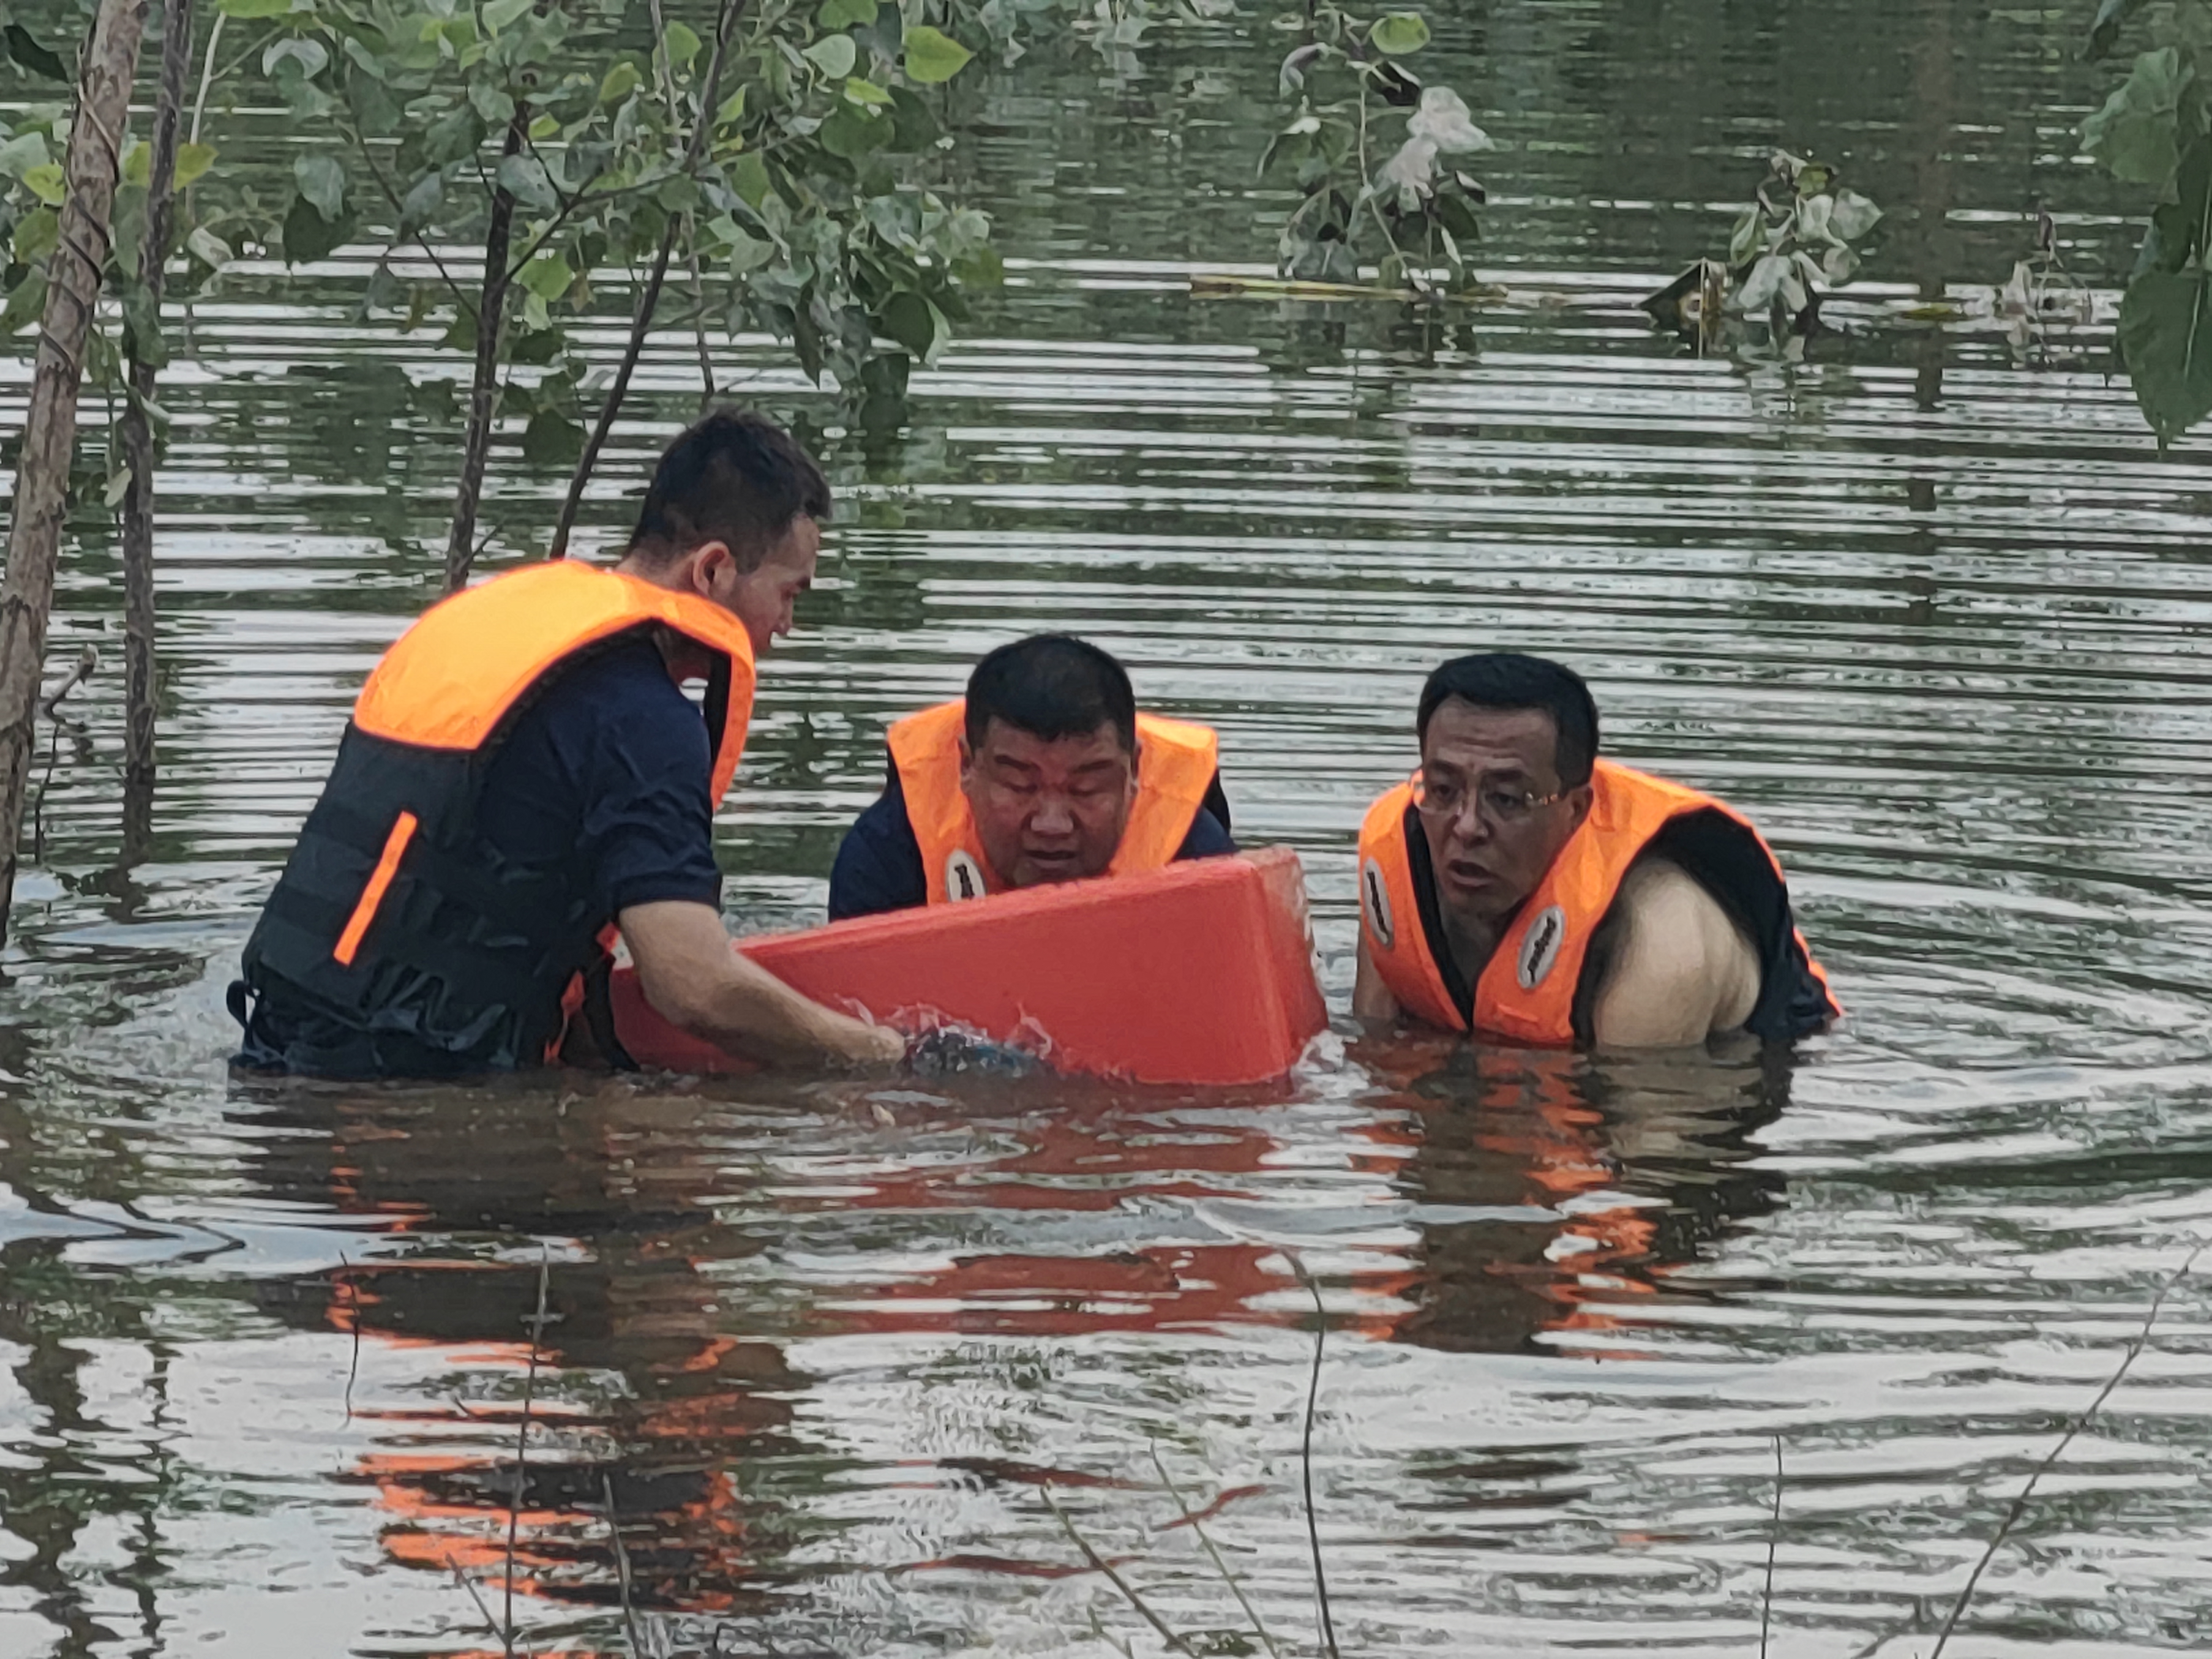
[(826, 1349)]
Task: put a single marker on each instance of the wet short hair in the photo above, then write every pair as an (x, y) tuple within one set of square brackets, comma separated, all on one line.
[(733, 476), (1051, 685), (1506, 679)]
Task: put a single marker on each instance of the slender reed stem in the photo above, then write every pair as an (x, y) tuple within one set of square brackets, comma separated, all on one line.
[(353, 1318), (1773, 1539), (1221, 1565), (522, 1440), (621, 1569), (1100, 1564), (1306, 1454), (2020, 1505)]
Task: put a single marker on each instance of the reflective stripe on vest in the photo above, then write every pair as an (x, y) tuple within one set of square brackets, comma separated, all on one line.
[(1528, 988), (1175, 765)]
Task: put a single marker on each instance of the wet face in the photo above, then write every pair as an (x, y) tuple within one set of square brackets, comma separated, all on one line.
[(1048, 811), (764, 597), (1487, 775)]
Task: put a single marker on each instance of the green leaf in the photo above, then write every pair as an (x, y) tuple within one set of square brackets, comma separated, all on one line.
[(309, 235), (322, 182), (39, 234), (551, 439), (835, 54), (26, 304), (1397, 33), (142, 327), (46, 184), (2111, 18), (980, 267), (748, 176), (847, 14), (209, 249), (867, 92), (22, 153), (193, 162), (499, 14), (1743, 244), (310, 54), (621, 79), (548, 276), (914, 124), (2138, 133), (421, 203), (2166, 340), (523, 177), (24, 48), (138, 164), (252, 8), (490, 103), (681, 46), (851, 133), (911, 320), (932, 56)]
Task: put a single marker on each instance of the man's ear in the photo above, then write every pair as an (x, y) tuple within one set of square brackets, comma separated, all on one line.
[(967, 760), (1136, 765), (708, 561), (1579, 800)]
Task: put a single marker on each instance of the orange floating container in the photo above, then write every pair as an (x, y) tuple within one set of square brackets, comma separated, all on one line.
[(1201, 973)]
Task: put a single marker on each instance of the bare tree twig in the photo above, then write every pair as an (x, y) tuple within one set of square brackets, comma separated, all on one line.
[(2020, 1505), (353, 1318), (621, 1569), (1773, 1539), (1100, 1564), (1305, 1452), (469, 1584), (87, 662), (1221, 1565), (536, 1323)]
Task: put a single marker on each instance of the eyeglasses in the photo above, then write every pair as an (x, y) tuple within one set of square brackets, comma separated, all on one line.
[(1446, 798)]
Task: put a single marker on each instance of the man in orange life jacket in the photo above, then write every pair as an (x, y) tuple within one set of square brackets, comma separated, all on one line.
[(1521, 887), (1044, 772), (522, 769)]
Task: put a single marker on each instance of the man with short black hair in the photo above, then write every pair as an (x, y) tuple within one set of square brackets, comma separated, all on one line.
[(1521, 887), (522, 771), (1045, 772)]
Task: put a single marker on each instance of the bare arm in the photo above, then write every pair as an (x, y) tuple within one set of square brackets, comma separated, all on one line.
[(694, 980), (1370, 998), (1682, 971)]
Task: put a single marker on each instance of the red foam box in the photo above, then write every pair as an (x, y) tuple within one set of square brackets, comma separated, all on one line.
[(1201, 972)]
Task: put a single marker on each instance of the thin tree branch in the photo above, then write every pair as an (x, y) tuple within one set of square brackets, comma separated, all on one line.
[(2020, 1504), (1100, 1564), (1306, 1453), (1221, 1565)]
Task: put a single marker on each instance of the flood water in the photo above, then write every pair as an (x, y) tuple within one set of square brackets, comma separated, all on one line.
[(1925, 606)]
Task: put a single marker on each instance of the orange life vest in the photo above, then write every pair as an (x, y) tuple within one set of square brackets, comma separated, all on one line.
[(1532, 989), (393, 916), (1175, 765)]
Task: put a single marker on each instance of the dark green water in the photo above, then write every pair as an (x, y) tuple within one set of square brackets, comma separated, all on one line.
[(1932, 614)]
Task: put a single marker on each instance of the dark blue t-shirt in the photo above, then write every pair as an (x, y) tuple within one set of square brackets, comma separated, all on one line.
[(879, 864), (610, 773)]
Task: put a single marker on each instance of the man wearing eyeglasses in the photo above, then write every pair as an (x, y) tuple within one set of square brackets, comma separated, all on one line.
[(1519, 886)]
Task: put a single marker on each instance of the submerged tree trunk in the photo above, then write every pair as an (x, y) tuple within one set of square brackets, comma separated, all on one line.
[(140, 665), (95, 151), (483, 397)]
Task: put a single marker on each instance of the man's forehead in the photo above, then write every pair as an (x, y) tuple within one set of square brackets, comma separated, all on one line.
[(1468, 735), (1003, 738)]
